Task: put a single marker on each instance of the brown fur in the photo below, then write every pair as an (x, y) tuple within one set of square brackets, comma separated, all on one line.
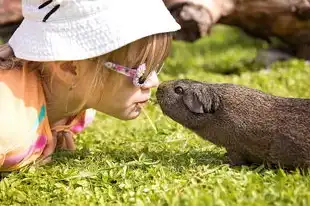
[(7, 58), (253, 126)]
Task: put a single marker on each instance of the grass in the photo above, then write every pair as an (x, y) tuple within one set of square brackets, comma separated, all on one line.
[(129, 163)]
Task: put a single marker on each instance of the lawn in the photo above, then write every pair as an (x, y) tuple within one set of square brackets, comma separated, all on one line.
[(157, 161)]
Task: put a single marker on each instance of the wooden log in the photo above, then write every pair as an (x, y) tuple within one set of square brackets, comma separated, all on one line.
[(287, 20)]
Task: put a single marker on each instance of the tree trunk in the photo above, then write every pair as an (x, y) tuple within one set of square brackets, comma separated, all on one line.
[(288, 20), (10, 17)]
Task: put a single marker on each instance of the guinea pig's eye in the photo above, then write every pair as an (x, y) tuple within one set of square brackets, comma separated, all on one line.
[(178, 90)]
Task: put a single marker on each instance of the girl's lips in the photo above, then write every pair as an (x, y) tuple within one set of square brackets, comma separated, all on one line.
[(142, 102)]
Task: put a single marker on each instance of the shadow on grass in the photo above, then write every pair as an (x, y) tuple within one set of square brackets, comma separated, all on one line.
[(178, 160)]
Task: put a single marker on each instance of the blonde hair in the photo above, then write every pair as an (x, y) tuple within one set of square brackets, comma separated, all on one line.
[(151, 50)]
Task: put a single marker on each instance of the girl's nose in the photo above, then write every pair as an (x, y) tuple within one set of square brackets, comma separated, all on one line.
[(152, 81)]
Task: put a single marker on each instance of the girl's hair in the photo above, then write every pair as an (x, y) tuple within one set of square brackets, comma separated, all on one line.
[(7, 58), (151, 50)]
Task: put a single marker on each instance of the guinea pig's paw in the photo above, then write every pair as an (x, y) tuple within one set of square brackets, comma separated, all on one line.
[(236, 159)]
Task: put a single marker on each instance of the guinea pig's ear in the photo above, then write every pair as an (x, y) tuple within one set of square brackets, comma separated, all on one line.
[(193, 103), (210, 99), (202, 101)]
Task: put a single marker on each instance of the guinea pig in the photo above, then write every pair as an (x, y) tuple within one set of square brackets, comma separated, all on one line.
[(253, 126)]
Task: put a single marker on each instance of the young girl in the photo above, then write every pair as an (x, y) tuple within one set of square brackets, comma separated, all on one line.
[(71, 56)]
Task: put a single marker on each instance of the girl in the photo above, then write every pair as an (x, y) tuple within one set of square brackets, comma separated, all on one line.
[(69, 57)]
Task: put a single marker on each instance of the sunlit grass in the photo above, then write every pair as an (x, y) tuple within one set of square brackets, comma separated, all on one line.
[(131, 163)]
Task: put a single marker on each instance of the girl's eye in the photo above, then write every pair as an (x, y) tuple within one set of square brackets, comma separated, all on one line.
[(141, 80), (179, 90)]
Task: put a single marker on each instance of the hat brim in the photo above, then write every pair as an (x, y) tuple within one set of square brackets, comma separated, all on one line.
[(90, 36)]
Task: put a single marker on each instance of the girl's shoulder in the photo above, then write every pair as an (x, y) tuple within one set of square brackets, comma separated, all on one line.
[(23, 117), (21, 93)]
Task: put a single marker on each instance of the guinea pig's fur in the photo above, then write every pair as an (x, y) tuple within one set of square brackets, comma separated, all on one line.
[(253, 126)]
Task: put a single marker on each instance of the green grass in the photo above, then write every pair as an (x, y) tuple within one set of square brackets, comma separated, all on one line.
[(129, 163)]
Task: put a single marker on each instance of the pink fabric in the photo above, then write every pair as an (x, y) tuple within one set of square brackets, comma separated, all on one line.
[(16, 158), (41, 142), (84, 122)]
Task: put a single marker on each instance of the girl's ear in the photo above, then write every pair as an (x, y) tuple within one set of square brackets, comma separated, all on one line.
[(66, 71)]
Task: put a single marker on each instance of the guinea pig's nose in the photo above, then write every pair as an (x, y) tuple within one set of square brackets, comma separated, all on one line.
[(163, 86), (162, 90)]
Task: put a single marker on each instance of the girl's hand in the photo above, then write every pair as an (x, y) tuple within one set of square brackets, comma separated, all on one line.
[(62, 139), (65, 140)]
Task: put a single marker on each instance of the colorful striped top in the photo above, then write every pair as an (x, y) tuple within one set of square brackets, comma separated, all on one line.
[(24, 126)]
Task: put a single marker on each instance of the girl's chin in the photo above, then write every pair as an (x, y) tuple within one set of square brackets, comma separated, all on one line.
[(131, 113), (135, 113)]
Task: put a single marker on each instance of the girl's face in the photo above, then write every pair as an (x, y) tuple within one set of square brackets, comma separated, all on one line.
[(72, 86), (118, 96)]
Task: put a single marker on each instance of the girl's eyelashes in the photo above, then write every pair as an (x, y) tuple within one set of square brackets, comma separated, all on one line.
[(142, 80), (157, 70)]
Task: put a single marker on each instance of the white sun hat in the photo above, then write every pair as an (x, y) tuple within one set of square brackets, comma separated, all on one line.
[(80, 29)]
